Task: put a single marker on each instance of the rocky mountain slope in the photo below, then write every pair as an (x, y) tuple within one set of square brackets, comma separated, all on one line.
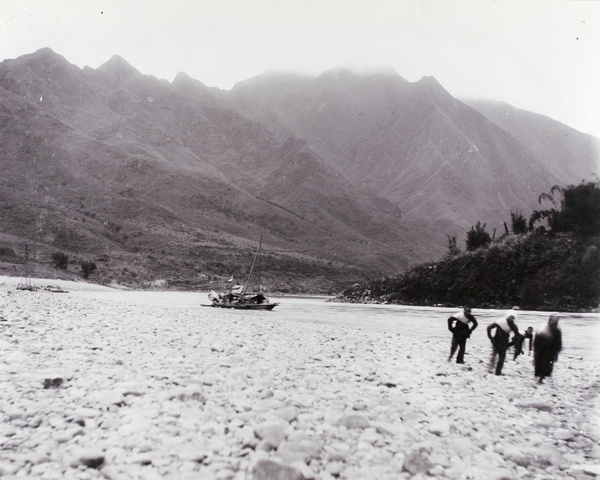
[(442, 162), (343, 176)]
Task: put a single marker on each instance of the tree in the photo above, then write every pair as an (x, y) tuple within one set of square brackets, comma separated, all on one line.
[(577, 211), (453, 249), (87, 268), (581, 208), (60, 260), (477, 237), (550, 196), (553, 216), (518, 223)]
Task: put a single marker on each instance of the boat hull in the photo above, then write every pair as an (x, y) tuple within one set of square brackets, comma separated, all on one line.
[(260, 306)]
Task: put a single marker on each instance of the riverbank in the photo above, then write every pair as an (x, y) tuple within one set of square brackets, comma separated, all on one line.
[(103, 389), (540, 272)]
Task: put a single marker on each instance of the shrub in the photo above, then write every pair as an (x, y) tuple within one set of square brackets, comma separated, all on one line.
[(453, 249), (554, 267), (581, 208), (519, 223), (477, 237), (87, 268), (578, 209), (60, 260)]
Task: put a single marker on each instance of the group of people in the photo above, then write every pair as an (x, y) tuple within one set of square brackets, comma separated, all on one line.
[(546, 341)]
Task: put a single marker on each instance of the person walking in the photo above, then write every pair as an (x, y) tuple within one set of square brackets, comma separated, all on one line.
[(458, 324), (519, 340), (501, 337), (547, 343)]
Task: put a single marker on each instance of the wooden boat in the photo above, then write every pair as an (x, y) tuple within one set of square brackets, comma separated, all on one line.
[(55, 289), (242, 302), (239, 298)]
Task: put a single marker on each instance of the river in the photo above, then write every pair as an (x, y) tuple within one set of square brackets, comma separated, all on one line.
[(581, 331)]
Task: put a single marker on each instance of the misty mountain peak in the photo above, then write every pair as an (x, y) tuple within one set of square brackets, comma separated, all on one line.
[(118, 66), (182, 79), (44, 58), (273, 81), (39, 72), (431, 83), (43, 53), (349, 74), (337, 74), (370, 84), (386, 71)]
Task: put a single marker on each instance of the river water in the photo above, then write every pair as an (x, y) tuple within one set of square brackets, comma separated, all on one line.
[(581, 331)]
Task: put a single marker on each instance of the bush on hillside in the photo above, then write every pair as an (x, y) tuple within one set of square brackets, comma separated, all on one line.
[(477, 237), (453, 249), (581, 208), (559, 270), (518, 223), (60, 260), (574, 209), (87, 268), (536, 272)]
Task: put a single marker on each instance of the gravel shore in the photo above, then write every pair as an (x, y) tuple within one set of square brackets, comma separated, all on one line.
[(102, 389)]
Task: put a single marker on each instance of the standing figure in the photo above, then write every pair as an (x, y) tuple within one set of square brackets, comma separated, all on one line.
[(458, 324), (546, 346), (500, 339), (519, 339)]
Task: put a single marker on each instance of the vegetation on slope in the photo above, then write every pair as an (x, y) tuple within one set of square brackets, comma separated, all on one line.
[(549, 266)]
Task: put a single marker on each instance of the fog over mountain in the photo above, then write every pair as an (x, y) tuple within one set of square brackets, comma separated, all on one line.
[(344, 175)]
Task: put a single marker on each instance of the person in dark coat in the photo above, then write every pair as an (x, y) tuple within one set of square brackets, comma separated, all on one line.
[(501, 338), (461, 324), (546, 346), (518, 341)]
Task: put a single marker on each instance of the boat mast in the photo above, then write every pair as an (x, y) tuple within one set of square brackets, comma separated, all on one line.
[(27, 264), (252, 268), (26, 284), (259, 265)]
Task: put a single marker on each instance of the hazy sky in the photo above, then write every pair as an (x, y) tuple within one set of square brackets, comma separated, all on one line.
[(539, 55)]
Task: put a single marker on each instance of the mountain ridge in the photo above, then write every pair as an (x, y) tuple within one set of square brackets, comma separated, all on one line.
[(343, 175), (421, 119)]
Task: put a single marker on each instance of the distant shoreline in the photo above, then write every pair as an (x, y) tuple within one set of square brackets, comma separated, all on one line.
[(67, 284)]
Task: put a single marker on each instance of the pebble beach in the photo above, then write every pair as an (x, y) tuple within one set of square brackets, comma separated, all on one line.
[(99, 389)]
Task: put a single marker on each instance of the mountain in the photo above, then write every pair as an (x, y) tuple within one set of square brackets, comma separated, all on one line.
[(344, 175), (444, 163), (165, 180), (569, 154)]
